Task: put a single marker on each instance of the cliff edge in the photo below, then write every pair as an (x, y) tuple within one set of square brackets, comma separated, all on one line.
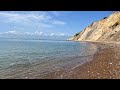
[(107, 29)]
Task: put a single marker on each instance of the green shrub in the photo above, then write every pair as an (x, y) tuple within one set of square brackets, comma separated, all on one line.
[(76, 34)]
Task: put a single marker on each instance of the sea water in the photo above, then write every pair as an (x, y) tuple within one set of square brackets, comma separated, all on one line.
[(39, 56)]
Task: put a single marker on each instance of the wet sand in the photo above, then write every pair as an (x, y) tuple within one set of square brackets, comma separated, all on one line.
[(105, 65)]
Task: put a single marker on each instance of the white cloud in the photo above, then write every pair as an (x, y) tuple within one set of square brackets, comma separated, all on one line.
[(36, 33), (56, 34), (26, 17), (62, 34), (59, 13), (11, 32), (55, 13), (58, 22), (27, 33), (32, 19), (52, 34)]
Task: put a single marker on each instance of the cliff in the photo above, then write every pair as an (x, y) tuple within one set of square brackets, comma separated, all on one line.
[(107, 29)]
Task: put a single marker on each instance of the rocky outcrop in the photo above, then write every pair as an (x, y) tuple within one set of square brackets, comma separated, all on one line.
[(107, 29)]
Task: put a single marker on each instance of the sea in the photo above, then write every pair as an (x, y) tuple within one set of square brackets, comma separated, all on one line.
[(31, 58)]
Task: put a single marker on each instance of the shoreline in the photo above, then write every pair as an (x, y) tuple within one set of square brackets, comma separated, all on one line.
[(104, 65)]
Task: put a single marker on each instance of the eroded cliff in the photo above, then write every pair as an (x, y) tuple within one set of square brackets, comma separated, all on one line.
[(107, 29)]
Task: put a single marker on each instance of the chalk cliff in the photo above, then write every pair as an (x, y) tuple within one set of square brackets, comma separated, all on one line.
[(107, 29)]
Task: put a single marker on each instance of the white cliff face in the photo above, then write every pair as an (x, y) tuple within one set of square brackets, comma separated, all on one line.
[(107, 29)]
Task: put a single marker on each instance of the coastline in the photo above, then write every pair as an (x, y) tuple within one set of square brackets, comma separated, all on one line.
[(104, 65)]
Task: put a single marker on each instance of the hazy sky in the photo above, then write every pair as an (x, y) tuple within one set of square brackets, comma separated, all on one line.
[(47, 22)]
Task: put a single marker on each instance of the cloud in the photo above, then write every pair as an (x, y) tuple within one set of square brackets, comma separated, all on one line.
[(36, 33), (62, 34), (58, 22), (55, 13), (52, 34), (12, 32), (32, 19), (25, 17), (28, 33), (56, 34), (59, 13)]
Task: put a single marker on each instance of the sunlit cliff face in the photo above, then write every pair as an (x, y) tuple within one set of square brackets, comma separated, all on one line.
[(107, 29)]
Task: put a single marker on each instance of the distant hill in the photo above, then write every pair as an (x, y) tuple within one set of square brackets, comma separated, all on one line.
[(107, 29)]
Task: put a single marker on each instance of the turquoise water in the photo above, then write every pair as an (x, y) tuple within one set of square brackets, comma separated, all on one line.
[(16, 53)]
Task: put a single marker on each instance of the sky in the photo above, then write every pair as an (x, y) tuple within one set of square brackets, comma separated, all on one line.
[(47, 23)]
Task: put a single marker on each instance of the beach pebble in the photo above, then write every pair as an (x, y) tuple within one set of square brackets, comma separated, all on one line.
[(98, 73), (119, 63), (26, 77), (57, 70), (92, 72), (110, 63), (104, 70)]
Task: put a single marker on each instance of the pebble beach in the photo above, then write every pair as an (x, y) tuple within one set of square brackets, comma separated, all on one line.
[(104, 65)]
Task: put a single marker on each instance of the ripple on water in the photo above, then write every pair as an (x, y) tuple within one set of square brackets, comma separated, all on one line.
[(42, 58)]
